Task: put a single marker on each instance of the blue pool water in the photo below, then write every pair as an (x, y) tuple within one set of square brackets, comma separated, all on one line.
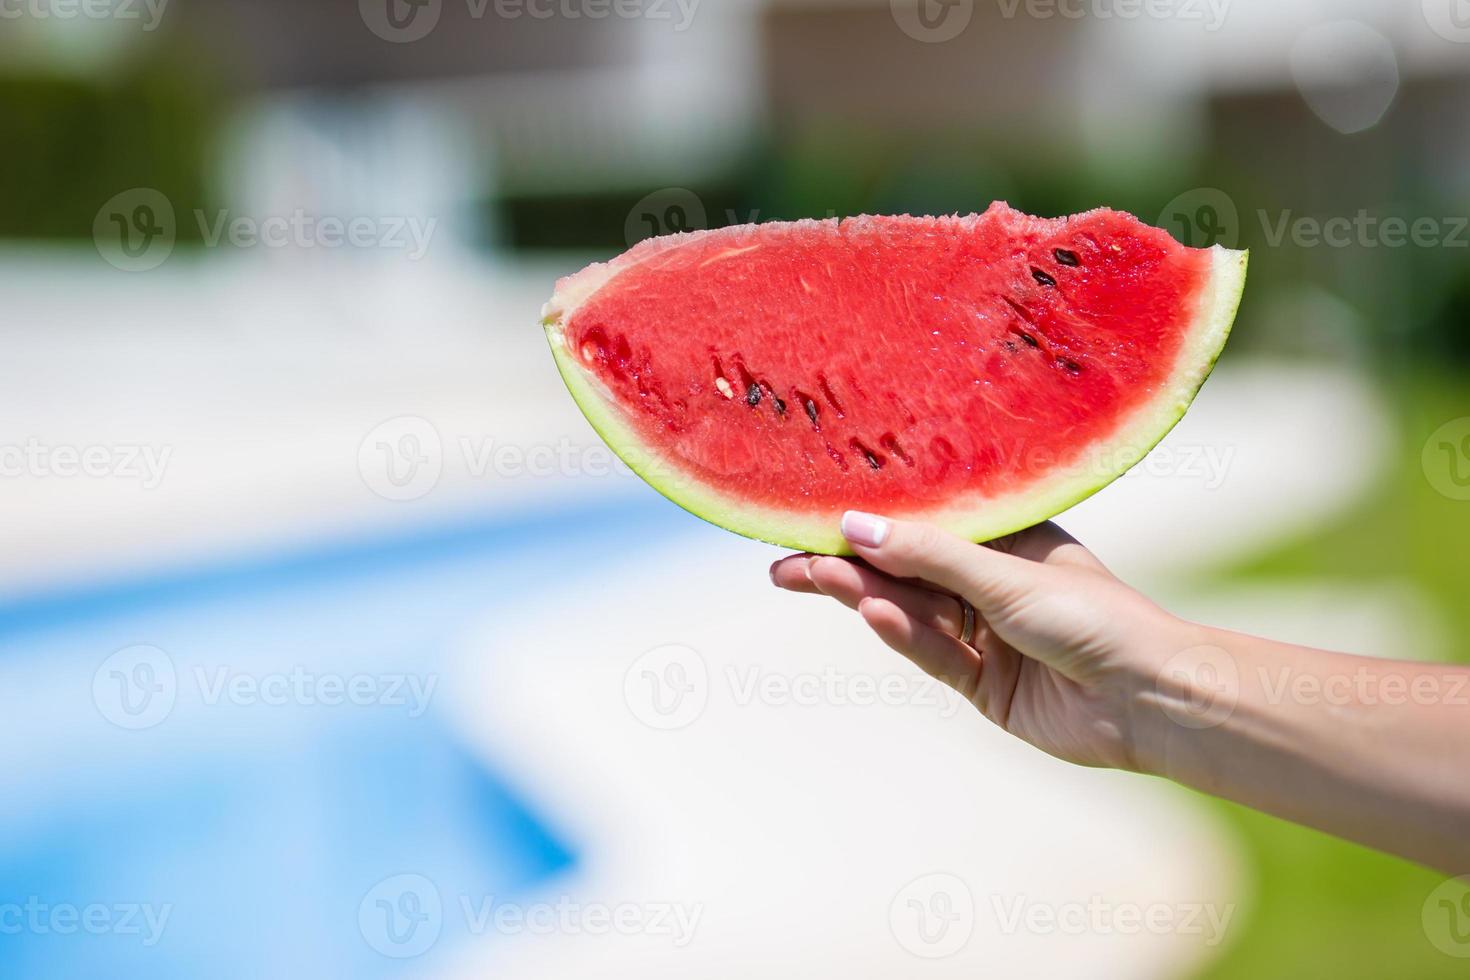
[(210, 801)]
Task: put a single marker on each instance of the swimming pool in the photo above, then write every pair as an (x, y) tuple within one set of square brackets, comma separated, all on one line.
[(251, 768)]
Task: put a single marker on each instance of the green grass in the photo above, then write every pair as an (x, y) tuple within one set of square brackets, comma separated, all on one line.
[(1323, 907)]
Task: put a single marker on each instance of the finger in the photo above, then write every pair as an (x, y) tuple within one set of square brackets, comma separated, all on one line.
[(850, 583), (790, 573), (936, 653), (1045, 542), (990, 579)]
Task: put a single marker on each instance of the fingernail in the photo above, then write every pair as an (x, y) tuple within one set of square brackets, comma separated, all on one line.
[(867, 530)]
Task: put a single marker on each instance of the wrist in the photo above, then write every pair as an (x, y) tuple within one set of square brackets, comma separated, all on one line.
[(1186, 685)]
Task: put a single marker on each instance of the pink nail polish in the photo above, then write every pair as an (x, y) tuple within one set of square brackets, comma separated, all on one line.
[(867, 530)]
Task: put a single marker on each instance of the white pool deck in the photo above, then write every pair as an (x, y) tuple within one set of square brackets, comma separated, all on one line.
[(798, 829)]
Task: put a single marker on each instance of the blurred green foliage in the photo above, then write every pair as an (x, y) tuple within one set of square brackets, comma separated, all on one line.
[(1324, 907), (73, 142)]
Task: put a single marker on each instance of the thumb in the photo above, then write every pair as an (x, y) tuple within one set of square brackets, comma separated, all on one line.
[(990, 579)]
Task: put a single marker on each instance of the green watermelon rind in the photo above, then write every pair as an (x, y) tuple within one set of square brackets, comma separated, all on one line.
[(977, 518)]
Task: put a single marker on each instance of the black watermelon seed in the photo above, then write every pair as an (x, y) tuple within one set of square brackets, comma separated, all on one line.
[(1070, 366), (780, 405), (874, 460), (1066, 257), (811, 409), (753, 395), (1042, 278), (1030, 340)]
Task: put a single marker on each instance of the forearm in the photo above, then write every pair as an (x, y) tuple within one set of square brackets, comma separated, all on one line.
[(1376, 751)]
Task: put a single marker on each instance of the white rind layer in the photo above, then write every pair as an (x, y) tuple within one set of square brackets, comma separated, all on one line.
[(975, 516)]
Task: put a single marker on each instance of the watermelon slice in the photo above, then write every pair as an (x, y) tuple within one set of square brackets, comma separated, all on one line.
[(982, 372)]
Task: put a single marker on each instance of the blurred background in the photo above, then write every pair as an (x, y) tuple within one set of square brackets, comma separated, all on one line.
[(334, 643)]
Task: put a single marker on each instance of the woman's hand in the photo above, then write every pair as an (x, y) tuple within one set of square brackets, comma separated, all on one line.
[(1067, 657), (1062, 651)]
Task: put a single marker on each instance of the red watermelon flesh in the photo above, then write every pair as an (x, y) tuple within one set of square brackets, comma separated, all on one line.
[(983, 372)]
